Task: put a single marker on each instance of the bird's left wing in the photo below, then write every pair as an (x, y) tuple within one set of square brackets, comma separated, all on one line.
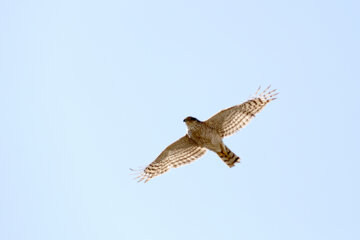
[(181, 152), (230, 120)]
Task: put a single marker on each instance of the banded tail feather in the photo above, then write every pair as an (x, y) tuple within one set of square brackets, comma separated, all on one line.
[(228, 156)]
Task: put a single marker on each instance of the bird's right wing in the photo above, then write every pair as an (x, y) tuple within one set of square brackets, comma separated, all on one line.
[(230, 120), (181, 152)]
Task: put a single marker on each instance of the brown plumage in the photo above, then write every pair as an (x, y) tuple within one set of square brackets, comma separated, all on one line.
[(228, 156), (208, 135)]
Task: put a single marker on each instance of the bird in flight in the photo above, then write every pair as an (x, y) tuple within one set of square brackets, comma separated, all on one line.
[(208, 135)]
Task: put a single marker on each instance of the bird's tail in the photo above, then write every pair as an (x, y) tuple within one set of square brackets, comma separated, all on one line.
[(228, 156)]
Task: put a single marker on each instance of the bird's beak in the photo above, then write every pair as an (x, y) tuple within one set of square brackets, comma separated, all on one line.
[(185, 120)]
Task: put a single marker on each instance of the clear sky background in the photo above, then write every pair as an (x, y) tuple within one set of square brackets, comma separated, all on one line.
[(89, 89)]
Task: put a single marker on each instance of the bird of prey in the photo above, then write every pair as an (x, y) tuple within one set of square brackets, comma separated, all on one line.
[(208, 135)]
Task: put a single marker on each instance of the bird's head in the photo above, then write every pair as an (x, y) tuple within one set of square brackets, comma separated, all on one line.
[(190, 120)]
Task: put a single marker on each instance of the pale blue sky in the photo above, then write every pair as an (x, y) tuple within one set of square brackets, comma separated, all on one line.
[(89, 89)]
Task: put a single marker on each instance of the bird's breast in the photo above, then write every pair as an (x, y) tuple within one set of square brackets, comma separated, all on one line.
[(206, 137)]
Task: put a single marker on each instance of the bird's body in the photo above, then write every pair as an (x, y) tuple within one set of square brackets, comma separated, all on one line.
[(208, 135), (204, 135)]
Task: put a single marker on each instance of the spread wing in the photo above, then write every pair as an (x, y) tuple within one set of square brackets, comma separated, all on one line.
[(231, 120), (181, 152)]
